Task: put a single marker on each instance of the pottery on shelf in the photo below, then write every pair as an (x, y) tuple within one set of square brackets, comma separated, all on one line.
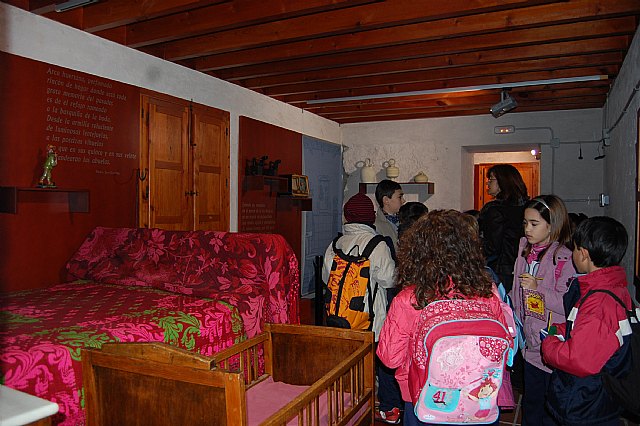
[(421, 178), (367, 172), (392, 170)]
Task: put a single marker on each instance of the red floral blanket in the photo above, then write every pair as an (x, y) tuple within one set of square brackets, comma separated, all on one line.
[(257, 273), (144, 285), (42, 332)]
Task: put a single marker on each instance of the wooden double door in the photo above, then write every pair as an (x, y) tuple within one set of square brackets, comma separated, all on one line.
[(184, 163)]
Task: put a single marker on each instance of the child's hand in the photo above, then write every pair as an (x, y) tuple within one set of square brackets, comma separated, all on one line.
[(528, 281)]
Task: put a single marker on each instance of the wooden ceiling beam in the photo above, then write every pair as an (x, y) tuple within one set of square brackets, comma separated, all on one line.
[(496, 56), (113, 13), (448, 113), (443, 74), (227, 16), (470, 99), (577, 10), (566, 104), (458, 106), (541, 90), (452, 84), (374, 25), (558, 33)]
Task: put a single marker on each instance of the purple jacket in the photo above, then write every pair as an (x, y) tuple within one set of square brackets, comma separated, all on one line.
[(533, 307)]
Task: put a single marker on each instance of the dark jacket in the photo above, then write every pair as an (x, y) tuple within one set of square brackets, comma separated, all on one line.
[(596, 343), (500, 230)]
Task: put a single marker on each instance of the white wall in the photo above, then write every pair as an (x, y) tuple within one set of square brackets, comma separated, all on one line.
[(620, 162), (445, 148), (31, 36)]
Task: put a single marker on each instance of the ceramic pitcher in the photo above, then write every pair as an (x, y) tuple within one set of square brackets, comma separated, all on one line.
[(367, 173)]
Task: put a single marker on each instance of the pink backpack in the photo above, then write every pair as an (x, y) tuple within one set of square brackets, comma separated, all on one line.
[(459, 361)]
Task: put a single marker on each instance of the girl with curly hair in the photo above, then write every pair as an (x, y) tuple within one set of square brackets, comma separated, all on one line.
[(440, 258)]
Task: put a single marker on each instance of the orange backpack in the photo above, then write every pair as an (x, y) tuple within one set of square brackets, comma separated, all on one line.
[(349, 281)]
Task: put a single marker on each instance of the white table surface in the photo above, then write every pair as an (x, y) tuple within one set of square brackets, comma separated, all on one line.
[(19, 408)]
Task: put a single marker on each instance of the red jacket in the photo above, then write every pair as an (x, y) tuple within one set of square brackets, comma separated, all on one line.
[(596, 331)]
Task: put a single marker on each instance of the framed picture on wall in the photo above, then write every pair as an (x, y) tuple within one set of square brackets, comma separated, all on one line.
[(298, 185)]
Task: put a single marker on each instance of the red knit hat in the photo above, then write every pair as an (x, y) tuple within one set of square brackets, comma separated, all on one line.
[(359, 209)]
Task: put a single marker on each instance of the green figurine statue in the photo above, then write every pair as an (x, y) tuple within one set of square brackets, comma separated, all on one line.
[(51, 161)]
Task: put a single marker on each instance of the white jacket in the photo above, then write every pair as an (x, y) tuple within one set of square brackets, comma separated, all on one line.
[(382, 266)]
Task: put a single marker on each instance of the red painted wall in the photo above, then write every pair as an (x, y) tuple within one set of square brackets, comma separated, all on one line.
[(94, 124), (257, 139)]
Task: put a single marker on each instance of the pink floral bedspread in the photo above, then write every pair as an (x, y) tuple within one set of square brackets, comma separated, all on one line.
[(256, 273), (42, 332)]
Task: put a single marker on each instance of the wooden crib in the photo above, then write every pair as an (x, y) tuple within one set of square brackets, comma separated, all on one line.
[(327, 373)]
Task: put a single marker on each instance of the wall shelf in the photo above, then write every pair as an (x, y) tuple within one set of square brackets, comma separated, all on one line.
[(280, 186), (257, 182), (423, 190), (288, 200), (78, 199)]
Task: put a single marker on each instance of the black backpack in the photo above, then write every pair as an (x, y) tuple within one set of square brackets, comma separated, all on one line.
[(624, 387)]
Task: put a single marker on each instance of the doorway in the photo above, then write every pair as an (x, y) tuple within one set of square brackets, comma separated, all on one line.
[(530, 172)]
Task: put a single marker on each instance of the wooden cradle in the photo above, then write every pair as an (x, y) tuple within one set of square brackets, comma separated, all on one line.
[(157, 384)]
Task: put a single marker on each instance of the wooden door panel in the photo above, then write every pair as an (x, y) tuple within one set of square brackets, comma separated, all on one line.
[(530, 173), (211, 169), (169, 199)]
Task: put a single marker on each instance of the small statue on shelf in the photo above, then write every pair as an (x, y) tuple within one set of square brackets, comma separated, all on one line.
[(272, 170), (51, 161)]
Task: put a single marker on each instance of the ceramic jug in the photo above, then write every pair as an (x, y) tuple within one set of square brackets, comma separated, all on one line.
[(367, 173), (421, 178), (392, 170)]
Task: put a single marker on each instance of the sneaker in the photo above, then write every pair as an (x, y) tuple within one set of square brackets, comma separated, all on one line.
[(392, 417)]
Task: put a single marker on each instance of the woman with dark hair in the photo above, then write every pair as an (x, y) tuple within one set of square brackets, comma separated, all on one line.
[(500, 220)]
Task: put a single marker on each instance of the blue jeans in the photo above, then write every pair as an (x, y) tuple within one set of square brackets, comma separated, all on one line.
[(410, 418), (536, 382), (388, 388)]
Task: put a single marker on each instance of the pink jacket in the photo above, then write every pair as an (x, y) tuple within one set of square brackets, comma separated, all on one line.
[(533, 308), (397, 336)]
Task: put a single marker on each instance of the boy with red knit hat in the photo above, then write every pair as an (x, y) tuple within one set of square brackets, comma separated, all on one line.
[(358, 230)]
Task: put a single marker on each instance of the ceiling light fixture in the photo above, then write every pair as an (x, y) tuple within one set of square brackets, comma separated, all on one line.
[(506, 104), (72, 4), (461, 89)]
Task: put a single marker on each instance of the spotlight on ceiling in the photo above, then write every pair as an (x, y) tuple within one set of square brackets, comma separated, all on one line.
[(506, 104), (72, 4)]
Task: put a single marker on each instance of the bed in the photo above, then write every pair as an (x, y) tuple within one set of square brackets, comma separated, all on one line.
[(196, 290), (290, 374)]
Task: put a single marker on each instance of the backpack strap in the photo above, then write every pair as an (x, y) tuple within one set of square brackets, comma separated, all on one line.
[(629, 312), (350, 260), (371, 245)]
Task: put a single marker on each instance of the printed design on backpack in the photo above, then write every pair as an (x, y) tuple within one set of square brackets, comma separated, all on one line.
[(348, 285), (461, 350)]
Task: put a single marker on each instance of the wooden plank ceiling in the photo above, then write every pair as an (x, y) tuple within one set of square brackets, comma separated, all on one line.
[(374, 55)]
